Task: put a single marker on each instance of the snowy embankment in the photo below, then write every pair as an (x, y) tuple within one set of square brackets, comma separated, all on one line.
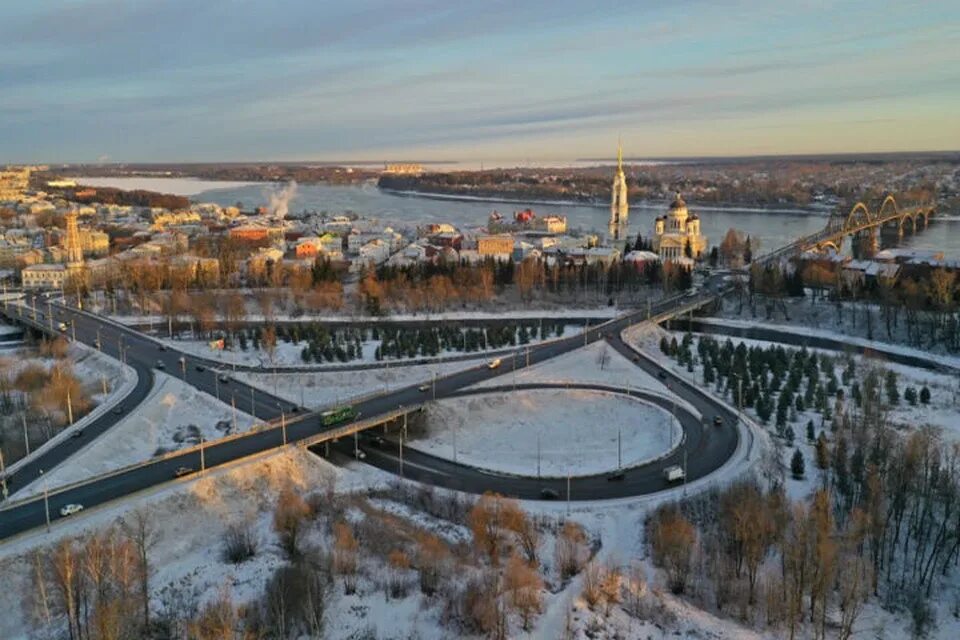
[(314, 390), (555, 432), (174, 415)]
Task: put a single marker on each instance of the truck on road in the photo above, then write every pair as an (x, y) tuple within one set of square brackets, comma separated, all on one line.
[(674, 473)]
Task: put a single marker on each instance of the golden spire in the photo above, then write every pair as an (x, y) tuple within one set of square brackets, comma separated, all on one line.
[(619, 155)]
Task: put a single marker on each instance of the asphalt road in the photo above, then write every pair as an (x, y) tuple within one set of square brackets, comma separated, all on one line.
[(705, 449), (141, 351)]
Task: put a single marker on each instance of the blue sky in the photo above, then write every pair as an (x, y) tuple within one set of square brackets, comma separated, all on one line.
[(207, 80)]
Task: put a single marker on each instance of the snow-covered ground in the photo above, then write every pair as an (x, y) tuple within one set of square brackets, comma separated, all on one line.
[(598, 362), (289, 354), (333, 387), (174, 416), (574, 431)]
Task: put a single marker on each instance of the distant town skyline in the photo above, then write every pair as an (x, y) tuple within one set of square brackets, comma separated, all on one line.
[(108, 80)]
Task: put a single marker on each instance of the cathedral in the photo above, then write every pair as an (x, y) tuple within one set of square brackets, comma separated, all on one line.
[(677, 235), (619, 208)]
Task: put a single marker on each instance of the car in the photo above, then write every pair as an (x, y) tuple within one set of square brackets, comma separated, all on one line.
[(493, 364), (77, 433), (636, 358), (674, 473), (163, 347), (118, 410), (360, 454), (62, 326), (717, 421), (223, 378), (424, 387), (182, 471), (294, 409), (70, 509), (377, 441), (160, 365), (549, 494), (616, 476), (200, 367), (662, 375)]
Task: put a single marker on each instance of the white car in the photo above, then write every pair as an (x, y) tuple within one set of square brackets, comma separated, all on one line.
[(70, 509), (674, 473)]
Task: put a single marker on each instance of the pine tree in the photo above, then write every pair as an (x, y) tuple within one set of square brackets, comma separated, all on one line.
[(910, 395), (925, 395), (789, 435), (893, 394), (797, 464), (811, 436)]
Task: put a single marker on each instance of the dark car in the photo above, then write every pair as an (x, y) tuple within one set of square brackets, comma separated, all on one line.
[(616, 476), (182, 471), (549, 494), (118, 410), (223, 378), (160, 365), (717, 421), (662, 375), (200, 367), (163, 347), (77, 434)]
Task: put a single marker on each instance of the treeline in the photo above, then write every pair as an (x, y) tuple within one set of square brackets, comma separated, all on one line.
[(133, 198), (38, 399), (926, 306), (325, 344)]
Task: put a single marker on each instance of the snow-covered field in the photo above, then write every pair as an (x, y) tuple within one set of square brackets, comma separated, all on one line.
[(598, 362), (575, 431), (174, 416), (333, 387)]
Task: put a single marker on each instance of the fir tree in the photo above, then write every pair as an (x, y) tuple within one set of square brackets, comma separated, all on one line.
[(925, 395), (797, 465)]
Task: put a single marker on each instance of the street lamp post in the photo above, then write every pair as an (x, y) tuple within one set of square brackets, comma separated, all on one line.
[(253, 407), (538, 455), (283, 425), (401, 452), (3, 476), (46, 499), (26, 436), (619, 451)]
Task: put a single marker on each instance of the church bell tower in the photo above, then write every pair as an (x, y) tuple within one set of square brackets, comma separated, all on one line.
[(619, 208)]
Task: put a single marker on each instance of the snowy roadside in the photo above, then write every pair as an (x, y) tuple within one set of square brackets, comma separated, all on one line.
[(173, 416), (321, 389)]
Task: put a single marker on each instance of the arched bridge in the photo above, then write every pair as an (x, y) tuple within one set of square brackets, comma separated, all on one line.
[(861, 222)]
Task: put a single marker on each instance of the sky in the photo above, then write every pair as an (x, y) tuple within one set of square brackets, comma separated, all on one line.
[(539, 80)]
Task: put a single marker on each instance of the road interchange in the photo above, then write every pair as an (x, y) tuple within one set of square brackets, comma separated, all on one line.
[(144, 354)]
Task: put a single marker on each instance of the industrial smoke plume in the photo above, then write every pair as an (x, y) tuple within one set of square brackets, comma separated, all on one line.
[(279, 199)]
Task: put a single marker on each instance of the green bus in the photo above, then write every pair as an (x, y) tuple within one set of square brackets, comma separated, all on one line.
[(337, 415)]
